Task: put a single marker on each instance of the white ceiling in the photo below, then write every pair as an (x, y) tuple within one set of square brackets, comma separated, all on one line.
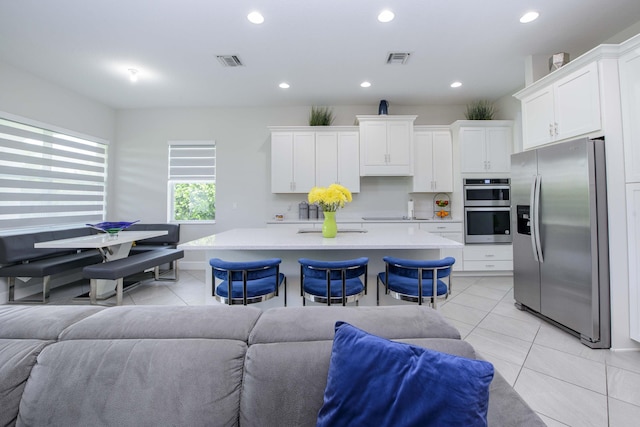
[(323, 48)]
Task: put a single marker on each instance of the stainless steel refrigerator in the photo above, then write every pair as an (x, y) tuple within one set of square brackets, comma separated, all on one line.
[(560, 247)]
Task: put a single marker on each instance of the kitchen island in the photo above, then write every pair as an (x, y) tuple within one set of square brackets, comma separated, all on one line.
[(290, 244)]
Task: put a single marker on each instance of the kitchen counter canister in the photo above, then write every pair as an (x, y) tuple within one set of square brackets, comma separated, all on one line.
[(289, 244)]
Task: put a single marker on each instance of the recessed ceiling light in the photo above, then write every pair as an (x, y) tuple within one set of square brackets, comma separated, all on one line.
[(456, 84), (529, 16), (386, 16), (133, 75), (284, 85), (255, 17), (365, 84)]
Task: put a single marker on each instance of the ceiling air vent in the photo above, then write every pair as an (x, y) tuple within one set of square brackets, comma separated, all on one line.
[(398, 57), (229, 60)]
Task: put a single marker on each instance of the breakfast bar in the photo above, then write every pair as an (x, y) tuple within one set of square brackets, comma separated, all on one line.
[(290, 244)]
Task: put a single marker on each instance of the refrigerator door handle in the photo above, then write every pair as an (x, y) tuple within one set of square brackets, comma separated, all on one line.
[(532, 204), (536, 220)]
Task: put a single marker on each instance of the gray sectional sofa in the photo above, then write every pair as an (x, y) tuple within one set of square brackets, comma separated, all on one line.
[(199, 365)]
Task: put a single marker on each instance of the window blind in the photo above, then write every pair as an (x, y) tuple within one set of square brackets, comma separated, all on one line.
[(49, 178), (192, 161)]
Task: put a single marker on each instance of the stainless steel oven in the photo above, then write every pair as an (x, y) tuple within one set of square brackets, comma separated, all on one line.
[(487, 225), (487, 192), (487, 210)]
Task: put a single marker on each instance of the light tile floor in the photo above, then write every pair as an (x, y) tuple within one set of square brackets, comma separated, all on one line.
[(565, 382)]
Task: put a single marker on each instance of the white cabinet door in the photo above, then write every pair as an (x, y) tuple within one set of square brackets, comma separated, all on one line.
[(498, 149), (373, 139), (349, 160), (386, 145), (486, 149), (292, 162), (433, 162), (399, 145), (538, 118), (629, 66), (564, 109), (472, 150), (326, 158), (633, 241), (577, 103), (337, 159)]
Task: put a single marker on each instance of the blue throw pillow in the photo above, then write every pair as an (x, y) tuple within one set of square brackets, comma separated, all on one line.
[(377, 382)]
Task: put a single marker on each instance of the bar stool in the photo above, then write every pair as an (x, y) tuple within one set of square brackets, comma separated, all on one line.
[(333, 282), (247, 282), (407, 279)]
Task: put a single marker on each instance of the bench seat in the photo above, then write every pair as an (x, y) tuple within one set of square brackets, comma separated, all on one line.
[(120, 268)]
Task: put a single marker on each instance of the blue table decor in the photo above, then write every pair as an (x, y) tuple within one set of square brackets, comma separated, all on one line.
[(112, 228)]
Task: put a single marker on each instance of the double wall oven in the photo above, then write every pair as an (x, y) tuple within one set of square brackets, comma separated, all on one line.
[(487, 210)]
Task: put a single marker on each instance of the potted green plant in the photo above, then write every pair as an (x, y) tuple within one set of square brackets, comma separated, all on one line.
[(480, 110), (320, 116)]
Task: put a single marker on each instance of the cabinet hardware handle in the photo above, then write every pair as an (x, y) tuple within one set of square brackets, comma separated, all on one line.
[(555, 128), (489, 255), (489, 265), (441, 228), (550, 129)]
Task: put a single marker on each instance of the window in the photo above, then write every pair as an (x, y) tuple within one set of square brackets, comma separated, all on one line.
[(50, 178), (192, 181)]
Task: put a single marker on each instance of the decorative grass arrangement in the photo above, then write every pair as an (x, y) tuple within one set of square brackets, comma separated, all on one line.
[(320, 116), (480, 110)]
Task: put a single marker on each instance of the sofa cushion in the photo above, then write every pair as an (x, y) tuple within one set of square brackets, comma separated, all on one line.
[(186, 382), (158, 322), (374, 381), (318, 323), (283, 383), (40, 322), (17, 357)]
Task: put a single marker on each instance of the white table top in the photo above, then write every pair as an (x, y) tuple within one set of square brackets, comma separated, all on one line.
[(290, 239), (101, 240)]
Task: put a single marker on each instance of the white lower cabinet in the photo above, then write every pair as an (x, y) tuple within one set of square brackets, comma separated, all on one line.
[(633, 222), (450, 230), (497, 257)]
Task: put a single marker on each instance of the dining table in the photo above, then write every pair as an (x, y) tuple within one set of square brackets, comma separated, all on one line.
[(111, 246)]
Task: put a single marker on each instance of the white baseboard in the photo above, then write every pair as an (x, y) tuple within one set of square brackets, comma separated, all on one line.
[(192, 265)]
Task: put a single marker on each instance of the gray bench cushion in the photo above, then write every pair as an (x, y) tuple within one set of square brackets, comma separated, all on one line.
[(318, 323), (52, 265), (136, 263), (19, 247), (171, 239)]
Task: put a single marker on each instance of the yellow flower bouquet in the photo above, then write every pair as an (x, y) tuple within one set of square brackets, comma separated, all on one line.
[(331, 198)]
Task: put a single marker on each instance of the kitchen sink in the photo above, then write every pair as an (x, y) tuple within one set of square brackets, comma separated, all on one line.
[(343, 231), (386, 218)]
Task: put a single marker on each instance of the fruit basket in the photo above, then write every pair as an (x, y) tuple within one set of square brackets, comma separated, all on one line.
[(442, 206)]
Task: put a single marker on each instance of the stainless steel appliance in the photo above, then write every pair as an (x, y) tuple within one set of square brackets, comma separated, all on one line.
[(487, 192), (487, 212), (560, 250)]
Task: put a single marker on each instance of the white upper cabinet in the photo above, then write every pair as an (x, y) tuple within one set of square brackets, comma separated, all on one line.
[(386, 145), (293, 163), (563, 109), (433, 161), (338, 159), (485, 145), (303, 157), (629, 68)]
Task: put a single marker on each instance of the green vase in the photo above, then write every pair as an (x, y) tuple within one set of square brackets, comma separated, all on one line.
[(329, 226)]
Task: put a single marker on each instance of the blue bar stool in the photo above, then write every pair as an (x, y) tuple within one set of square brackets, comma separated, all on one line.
[(406, 279), (247, 282), (333, 282)]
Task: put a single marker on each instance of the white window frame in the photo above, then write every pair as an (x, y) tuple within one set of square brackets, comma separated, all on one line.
[(50, 177), (191, 169)]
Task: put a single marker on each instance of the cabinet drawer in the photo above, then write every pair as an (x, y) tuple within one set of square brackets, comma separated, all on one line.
[(488, 252), (488, 265), (441, 227)]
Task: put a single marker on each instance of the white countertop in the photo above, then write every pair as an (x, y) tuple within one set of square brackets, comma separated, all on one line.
[(361, 221), (290, 239)]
